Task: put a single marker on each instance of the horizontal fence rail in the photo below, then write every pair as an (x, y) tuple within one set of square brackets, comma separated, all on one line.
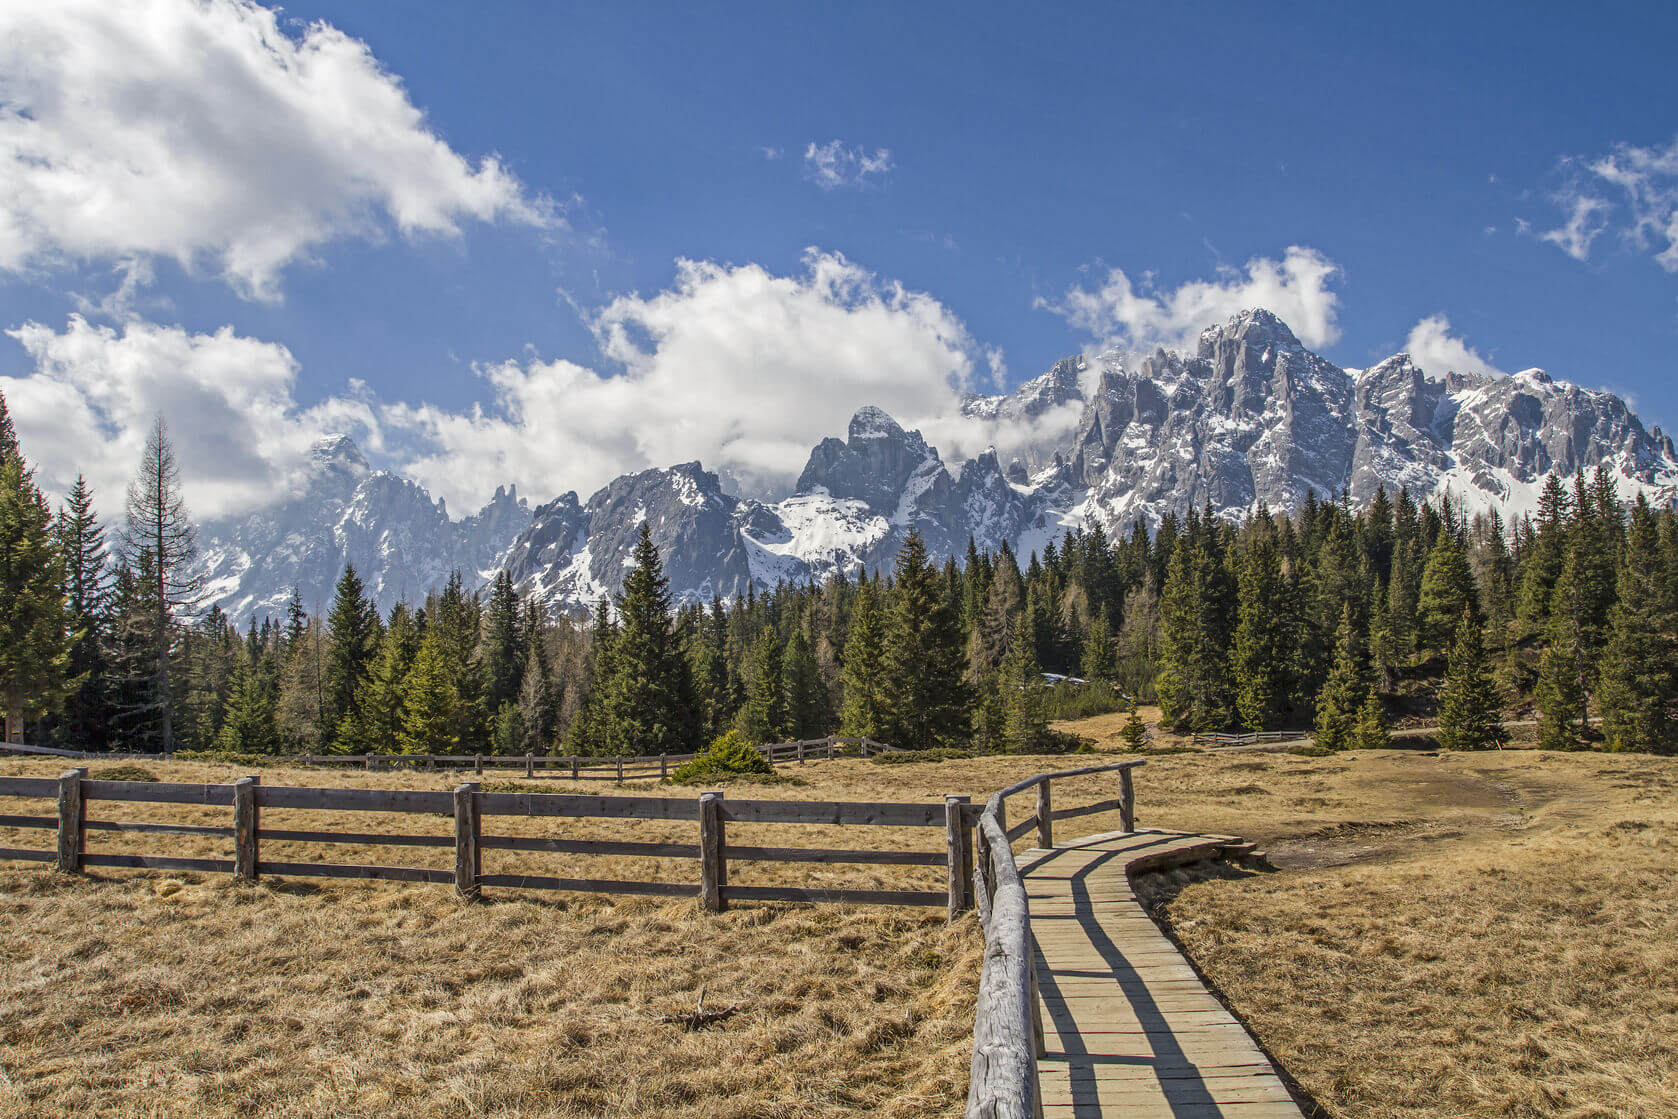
[(1007, 1033), (1217, 738)]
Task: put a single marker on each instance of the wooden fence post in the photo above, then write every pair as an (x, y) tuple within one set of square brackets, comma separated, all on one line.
[(467, 859), (960, 858), (245, 828), (1127, 802), (620, 771), (663, 766), (801, 751), (72, 810), (713, 867), (529, 766), (478, 765), (1045, 818), (573, 767)]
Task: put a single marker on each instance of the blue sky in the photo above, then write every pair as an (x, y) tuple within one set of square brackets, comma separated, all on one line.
[(988, 159)]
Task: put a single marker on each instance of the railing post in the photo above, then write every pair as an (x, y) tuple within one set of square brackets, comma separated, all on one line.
[(1037, 1046), (800, 751), (72, 810), (713, 867), (246, 821), (467, 859), (431, 763), (1045, 818), (529, 766), (620, 770), (573, 767), (663, 766), (960, 858), (478, 765), (1127, 802)]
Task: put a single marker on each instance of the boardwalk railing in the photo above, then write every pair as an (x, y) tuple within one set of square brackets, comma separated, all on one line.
[(578, 768), (247, 798), (1007, 1035)]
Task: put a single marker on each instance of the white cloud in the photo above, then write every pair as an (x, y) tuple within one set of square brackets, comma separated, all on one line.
[(1137, 316), (1432, 347), (241, 438), (1645, 180), (833, 165), (733, 365), (199, 130)]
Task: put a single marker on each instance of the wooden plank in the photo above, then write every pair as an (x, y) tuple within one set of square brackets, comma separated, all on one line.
[(159, 862), (1045, 817), (567, 804), (836, 895), (957, 858), (29, 821), (590, 846), (39, 788), (834, 855), (27, 854), (467, 863), (342, 870), (156, 829), (1021, 828), (158, 792), (590, 885), (888, 814), (354, 800), (245, 828), (1088, 809), (396, 839)]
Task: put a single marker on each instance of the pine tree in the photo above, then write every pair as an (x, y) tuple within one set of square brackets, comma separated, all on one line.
[(87, 591), (1261, 637), (248, 726), (430, 719), (647, 704), (159, 527), (1559, 693), (1447, 594), (1639, 690), (296, 618), (863, 681), (927, 701), (1135, 732), (1371, 730), (1468, 707), (301, 689), (1101, 654), (352, 643), (36, 638), (1544, 562), (763, 717), (1025, 724), (803, 696), (1196, 615), (1347, 687), (503, 650)]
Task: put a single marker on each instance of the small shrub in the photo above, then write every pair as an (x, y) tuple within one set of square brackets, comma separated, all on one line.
[(1080, 701), (729, 756), (1311, 751), (233, 757), (937, 754), (124, 773)]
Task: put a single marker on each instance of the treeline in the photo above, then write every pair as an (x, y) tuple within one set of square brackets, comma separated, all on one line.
[(1329, 620)]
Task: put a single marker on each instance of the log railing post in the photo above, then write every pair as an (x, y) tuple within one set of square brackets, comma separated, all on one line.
[(478, 765), (72, 810), (1127, 802), (620, 770), (1045, 818), (467, 858), (663, 766), (960, 858), (246, 821), (801, 751), (713, 867), (573, 767), (529, 766)]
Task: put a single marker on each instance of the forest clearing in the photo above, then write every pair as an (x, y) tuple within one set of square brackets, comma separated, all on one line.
[(1492, 926)]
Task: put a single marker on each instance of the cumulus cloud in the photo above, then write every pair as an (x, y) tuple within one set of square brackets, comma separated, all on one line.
[(834, 164), (1435, 350), (241, 438), (1139, 316), (732, 365), (1632, 190), (200, 130)]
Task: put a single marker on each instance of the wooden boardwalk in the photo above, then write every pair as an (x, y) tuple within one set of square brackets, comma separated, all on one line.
[(1128, 1027)]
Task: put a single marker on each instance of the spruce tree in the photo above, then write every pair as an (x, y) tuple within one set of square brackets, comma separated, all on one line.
[(430, 719), (503, 650), (927, 701), (763, 717), (803, 696), (248, 726), (1639, 689), (1371, 730), (87, 592), (1101, 654), (1348, 686), (352, 644), (863, 678), (1447, 594), (1025, 724), (1469, 716), (1261, 637), (1559, 694), (36, 638), (1135, 732), (647, 703)]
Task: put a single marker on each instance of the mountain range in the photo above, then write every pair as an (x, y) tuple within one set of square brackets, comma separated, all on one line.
[(1251, 416)]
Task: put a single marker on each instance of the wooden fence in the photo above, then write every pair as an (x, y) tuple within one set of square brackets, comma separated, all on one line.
[(247, 798), (1220, 739), (1007, 1032), (578, 769)]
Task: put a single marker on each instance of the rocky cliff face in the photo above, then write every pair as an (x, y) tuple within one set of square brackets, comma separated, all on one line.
[(1251, 416)]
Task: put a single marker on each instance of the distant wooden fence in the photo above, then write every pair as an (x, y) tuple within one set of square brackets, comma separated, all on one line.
[(1007, 1033), (580, 769), (1218, 739)]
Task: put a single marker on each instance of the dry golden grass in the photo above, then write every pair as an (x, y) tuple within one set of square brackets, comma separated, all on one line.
[(1451, 935)]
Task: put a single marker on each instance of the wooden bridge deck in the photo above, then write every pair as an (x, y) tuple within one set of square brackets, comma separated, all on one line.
[(1129, 1029)]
